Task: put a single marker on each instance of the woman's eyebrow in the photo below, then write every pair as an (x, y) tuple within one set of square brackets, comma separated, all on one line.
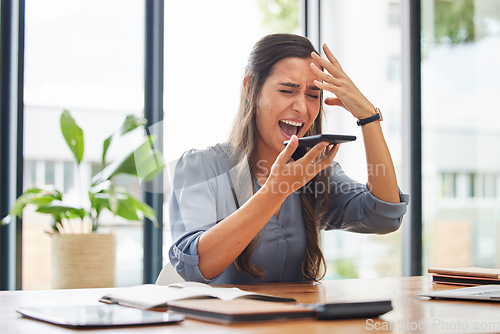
[(290, 84), (294, 85)]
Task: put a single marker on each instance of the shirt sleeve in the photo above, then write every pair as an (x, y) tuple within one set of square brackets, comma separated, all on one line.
[(196, 204), (354, 208), (191, 212)]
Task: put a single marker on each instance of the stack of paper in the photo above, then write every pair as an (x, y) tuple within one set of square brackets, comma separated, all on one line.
[(465, 275)]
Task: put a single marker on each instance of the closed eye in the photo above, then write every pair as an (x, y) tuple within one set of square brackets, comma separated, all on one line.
[(313, 96), (286, 91)]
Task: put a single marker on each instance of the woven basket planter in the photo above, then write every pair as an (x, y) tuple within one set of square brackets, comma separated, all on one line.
[(83, 260)]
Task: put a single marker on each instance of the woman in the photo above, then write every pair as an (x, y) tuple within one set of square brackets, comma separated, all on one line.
[(244, 211)]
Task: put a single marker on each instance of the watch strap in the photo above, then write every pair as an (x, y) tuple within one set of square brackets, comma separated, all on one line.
[(370, 119)]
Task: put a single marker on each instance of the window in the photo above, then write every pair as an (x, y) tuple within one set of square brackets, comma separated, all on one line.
[(371, 57), (204, 68), (85, 56), (448, 185), (50, 172), (393, 14), (461, 45), (69, 176)]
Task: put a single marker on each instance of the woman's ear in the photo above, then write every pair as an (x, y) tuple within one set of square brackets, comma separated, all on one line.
[(246, 86)]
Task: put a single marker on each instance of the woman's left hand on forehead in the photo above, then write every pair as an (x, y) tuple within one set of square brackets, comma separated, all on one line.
[(337, 82)]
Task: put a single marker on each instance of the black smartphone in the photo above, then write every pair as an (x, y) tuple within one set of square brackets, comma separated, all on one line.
[(353, 310), (305, 143)]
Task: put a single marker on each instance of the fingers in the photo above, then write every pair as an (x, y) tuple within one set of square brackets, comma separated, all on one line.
[(326, 161), (286, 154), (296, 174), (330, 56), (324, 76), (313, 153), (328, 158), (331, 65), (331, 154), (312, 162), (334, 101), (333, 79)]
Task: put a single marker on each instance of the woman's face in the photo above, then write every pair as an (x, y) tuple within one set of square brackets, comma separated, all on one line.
[(288, 104)]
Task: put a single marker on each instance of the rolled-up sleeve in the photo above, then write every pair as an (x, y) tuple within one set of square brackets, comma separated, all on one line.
[(354, 208), (195, 205), (183, 256), (191, 212)]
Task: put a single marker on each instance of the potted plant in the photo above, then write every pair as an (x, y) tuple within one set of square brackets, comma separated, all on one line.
[(82, 257)]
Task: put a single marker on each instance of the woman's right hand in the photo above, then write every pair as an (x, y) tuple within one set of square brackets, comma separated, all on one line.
[(223, 243), (287, 175)]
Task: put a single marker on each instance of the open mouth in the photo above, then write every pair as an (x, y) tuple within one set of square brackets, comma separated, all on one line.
[(290, 128)]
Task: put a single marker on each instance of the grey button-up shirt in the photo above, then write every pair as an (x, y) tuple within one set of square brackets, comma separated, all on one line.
[(208, 186)]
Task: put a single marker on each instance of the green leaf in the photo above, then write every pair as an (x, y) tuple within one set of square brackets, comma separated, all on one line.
[(113, 200), (117, 203), (126, 208), (130, 123), (37, 196), (143, 162), (148, 161), (98, 203), (145, 209), (73, 135), (58, 208), (6, 220), (103, 186), (105, 147)]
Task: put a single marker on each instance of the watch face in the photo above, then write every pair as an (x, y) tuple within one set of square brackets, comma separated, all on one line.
[(380, 113)]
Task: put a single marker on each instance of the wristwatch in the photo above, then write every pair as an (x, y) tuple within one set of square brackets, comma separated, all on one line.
[(377, 116)]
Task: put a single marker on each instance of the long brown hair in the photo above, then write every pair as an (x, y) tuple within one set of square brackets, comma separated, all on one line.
[(265, 54)]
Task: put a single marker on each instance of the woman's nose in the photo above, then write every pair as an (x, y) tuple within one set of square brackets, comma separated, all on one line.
[(300, 106)]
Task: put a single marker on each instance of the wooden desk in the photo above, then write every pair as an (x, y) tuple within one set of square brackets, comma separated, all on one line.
[(410, 314)]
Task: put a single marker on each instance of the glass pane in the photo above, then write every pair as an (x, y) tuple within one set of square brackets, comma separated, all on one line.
[(207, 44), (201, 97), (367, 43), (85, 56), (461, 132)]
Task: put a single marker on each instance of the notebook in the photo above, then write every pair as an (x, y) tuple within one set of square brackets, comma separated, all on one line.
[(241, 310), (151, 296), (489, 292), (463, 280), (467, 272), (465, 275), (247, 310)]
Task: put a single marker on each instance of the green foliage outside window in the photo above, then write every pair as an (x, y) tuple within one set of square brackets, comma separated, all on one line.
[(464, 21), (454, 21), (280, 15)]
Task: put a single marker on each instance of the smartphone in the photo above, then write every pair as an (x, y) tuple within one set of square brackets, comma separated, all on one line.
[(305, 143)]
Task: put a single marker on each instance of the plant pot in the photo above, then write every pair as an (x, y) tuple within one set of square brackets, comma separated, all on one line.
[(83, 260)]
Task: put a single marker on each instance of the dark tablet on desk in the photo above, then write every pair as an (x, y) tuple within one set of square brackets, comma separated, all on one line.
[(98, 316)]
